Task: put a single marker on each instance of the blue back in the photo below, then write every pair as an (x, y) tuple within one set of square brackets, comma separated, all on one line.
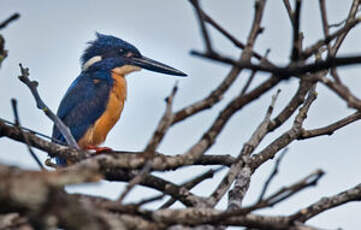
[(83, 103)]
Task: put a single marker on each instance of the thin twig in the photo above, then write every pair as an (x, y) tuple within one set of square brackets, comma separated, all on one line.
[(136, 180), (350, 18), (189, 184), (240, 169), (192, 183), (232, 38), (337, 24), (32, 85), (205, 33), (163, 124), (217, 94), (12, 18), (277, 197), (157, 137), (325, 26), (289, 136), (17, 125), (288, 191), (297, 100), (289, 11), (253, 73), (178, 192), (248, 83), (272, 175), (51, 148), (149, 200), (32, 131), (289, 70), (208, 138), (313, 49), (326, 203), (331, 128), (326, 33), (339, 40), (297, 45), (342, 91)]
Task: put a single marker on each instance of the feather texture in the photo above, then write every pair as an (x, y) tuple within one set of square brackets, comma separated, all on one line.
[(84, 102)]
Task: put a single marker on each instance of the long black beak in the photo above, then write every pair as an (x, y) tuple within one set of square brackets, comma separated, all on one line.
[(153, 65)]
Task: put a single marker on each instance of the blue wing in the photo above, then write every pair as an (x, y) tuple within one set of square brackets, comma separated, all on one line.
[(83, 103)]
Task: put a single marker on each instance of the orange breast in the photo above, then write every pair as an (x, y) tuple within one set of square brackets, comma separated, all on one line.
[(97, 134)]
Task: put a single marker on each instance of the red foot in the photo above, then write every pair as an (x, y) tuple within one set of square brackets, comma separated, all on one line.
[(99, 149)]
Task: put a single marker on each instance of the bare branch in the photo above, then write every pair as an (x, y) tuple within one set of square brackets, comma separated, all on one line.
[(17, 124), (292, 106), (272, 175), (192, 183), (236, 104), (330, 129), (136, 180), (288, 191), (287, 71), (163, 124), (9, 20), (205, 34), (27, 129), (240, 170), (289, 11), (119, 159), (350, 18), (175, 191), (216, 95), (315, 48), (51, 148), (277, 197), (234, 40), (342, 91), (285, 139), (297, 45), (326, 203), (32, 85)]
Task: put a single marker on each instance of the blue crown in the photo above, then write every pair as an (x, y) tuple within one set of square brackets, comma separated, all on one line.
[(104, 44)]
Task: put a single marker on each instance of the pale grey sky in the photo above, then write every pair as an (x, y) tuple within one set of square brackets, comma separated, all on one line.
[(51, 35)]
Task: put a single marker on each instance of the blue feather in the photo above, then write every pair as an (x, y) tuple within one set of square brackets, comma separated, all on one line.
[(107, 44), (83, 103)]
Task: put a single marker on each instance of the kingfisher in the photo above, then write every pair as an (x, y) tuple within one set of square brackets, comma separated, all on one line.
[(94, 101)]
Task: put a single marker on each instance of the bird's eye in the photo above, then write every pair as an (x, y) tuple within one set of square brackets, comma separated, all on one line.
[(129, 54), (121, 51)]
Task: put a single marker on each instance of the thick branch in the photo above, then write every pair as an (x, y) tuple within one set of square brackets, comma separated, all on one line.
[(287, 71)]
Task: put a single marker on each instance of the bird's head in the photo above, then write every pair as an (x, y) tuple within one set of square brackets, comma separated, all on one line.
[(111, 53)]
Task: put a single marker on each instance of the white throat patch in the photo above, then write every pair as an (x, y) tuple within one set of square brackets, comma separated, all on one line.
[(90, 62)]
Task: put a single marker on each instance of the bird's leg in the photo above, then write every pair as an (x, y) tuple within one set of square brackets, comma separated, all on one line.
[(99, 149)]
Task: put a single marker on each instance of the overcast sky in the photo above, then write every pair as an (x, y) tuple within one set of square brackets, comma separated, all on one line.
[(51, 35)]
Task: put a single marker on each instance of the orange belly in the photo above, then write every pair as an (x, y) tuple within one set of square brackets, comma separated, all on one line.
[(96, 134)]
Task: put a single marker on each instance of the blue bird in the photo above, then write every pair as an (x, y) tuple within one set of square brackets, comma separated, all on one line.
[(94, 101)]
